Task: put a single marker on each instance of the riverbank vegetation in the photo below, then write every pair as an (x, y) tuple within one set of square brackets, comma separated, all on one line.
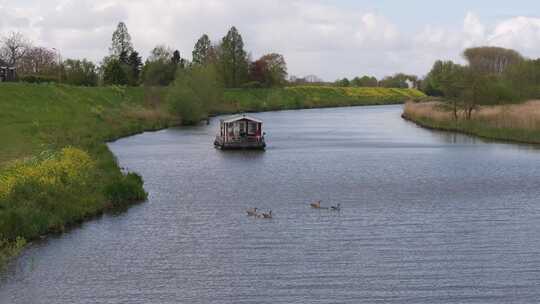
[(55, 168), (487, 96), (512, 122), (301, 97)]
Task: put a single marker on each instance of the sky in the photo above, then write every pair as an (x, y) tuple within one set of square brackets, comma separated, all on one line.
[(330, 39)]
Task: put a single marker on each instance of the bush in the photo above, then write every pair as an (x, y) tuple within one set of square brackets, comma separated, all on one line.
[(194, 93), (126, 189), (252, 85), (9, 249), (38, 79)]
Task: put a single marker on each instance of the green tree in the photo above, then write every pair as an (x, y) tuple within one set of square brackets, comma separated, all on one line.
[(202, 50), (269, 71), (121, 42), (441, 70), (364, 81), (134, 63), (159, 69), (194, 92), (158, 73), (80, 72), (491, 60), (523, 79), (114, 72), (233, 59), (343, 82)]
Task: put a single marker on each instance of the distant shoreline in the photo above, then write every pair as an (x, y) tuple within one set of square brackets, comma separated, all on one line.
[(501, 123)]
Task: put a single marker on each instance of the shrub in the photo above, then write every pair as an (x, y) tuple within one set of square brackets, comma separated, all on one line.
[(45, 192), (194, 93), (252, 85), (37, 79), (9, 249), (125, 189)]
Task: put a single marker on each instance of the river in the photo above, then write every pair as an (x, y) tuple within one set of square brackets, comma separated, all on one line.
[(427, 217)]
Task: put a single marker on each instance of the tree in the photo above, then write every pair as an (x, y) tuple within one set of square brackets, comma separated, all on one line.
[(233, 59), (491, 60), (343, 82), (176, 58), (399, 80), (80, 72), (441, 71), (13, 47), (523, 79), (38, 61), (194, 92), (202, 50), (364, 81), (270, 70), (178, 61), (257, 72), (135, 64), (159, 69), (121, 43), (161, 52), (114, 72), (276, 69)]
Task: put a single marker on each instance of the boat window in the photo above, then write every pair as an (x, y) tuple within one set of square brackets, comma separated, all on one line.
[(252, 128), (242, 128)]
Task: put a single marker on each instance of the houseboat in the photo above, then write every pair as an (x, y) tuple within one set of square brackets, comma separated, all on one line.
[(240, 132)]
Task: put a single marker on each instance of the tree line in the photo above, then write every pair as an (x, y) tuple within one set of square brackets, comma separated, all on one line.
[(124, 65), (399, 80), (492, 75)]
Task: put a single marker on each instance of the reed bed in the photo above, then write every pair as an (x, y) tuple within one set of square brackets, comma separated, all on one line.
[(515, 122)]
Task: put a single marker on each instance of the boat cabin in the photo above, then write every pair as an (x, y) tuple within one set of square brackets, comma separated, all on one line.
[(240, 132)]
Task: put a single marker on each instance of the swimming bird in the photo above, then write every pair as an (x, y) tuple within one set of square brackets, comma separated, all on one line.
[(252, 212), (267, 215), (336, 208), (316, 205)]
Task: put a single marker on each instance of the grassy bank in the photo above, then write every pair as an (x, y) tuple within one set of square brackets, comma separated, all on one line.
[(302, 97), (56, 170), (513, 122)]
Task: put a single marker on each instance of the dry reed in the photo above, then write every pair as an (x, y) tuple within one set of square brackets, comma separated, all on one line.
[(525, 116)]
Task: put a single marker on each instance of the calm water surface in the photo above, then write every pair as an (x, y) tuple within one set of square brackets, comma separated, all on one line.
[(427, 217)]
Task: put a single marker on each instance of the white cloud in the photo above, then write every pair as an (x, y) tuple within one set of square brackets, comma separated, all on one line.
[(473, 30), (522, 33), (315, 37)]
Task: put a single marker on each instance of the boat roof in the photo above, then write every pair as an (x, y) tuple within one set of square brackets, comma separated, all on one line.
[(240, 117)]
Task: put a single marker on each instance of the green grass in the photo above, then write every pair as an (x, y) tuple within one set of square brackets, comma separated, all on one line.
[(37, 123), (299, 97), (41, 117)]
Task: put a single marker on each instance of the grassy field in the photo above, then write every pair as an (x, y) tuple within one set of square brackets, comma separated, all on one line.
[(301, 97), (513, 122), (56, 170)]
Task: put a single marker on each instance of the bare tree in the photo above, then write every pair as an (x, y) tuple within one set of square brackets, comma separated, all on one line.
[(14, 46), (37, 60)]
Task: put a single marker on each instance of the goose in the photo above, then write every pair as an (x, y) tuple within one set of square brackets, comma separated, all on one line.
[(267, 215), (316, 205), (252, 212), (336, 208)]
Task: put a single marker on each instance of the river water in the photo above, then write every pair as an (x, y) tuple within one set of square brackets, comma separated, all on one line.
[(427, 217)]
